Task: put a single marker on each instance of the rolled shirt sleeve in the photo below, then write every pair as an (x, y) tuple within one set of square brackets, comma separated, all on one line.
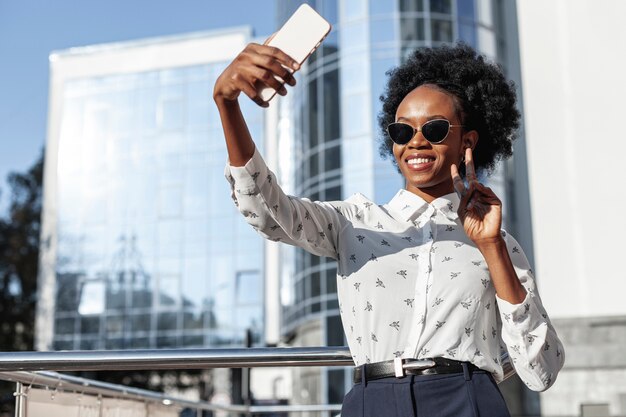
[(311, 225), (531, 340)]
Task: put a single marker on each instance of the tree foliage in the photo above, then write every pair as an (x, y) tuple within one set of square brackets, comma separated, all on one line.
[(19, 258)]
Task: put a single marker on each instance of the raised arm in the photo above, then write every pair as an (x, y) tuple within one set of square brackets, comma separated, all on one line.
[(255, 66), (310, 225), (531, 340)]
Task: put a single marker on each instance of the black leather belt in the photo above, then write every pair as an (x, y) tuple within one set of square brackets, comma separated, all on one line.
[(401, 367)]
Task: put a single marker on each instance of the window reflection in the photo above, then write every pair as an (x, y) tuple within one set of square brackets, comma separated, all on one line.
[(441, 30), (353, 36), (411, 29), (249, 288), (332, 158), (353, 9), (166, 321), (193, 319), (467, 33), (140, 322), (90, 324), (313, 114), (383, 30), (331, 105), (64, 326), (441, 6), (411, 6)]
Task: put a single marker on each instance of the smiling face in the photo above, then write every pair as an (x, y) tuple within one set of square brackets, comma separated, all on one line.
[(426, 166)]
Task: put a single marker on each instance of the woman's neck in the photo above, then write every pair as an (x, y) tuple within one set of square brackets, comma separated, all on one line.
[(429, 194)]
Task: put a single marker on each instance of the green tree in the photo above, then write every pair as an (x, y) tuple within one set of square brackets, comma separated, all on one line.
[(19, 258)]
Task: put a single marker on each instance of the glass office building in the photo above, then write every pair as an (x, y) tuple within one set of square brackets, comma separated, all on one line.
[(144, 247), (332, 140)]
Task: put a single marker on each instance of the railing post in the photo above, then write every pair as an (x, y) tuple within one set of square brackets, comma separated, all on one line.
[(20, 400)]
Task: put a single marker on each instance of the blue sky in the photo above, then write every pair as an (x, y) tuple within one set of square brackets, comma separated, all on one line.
[(30, 30)]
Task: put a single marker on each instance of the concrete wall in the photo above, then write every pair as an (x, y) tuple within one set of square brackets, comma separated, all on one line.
[(595, 370), (573, 68), (573, 85)]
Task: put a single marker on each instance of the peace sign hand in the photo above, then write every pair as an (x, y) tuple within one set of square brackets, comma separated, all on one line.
[(480, 210)]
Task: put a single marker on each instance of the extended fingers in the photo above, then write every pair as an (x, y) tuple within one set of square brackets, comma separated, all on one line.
[(276, 60), (459, 185), (470, 171), (481, 197), (260, 59), (487, 194)]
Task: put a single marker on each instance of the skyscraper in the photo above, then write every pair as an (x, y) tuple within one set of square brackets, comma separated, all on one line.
[(143, 248)]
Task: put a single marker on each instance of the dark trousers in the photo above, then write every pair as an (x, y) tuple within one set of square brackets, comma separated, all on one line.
[(467, 394)]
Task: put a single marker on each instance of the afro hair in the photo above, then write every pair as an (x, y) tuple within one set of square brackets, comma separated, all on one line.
[(486, 98)]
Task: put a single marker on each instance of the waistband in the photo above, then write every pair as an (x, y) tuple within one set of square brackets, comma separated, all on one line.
[(401, 367)]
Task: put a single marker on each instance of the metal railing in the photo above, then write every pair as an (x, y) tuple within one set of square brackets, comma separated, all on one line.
[(29, 369)]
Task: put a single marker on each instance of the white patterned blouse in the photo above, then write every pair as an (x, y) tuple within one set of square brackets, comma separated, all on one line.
[(410, 282)]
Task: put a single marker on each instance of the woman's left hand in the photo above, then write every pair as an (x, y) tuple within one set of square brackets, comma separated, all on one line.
[(480, 210)]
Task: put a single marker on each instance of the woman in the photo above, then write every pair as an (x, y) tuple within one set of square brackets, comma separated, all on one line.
[(431, 290)]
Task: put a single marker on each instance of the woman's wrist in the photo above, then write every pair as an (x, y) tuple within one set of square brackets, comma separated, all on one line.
[(505, 280), (491, 245), (225, 103)]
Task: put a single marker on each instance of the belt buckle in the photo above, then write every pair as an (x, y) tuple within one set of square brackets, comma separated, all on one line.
[(401, 364)]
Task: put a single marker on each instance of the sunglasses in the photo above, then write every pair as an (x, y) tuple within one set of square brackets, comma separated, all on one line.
[(434, 131)]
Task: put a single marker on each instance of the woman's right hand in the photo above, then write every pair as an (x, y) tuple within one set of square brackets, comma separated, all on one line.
[(255, 66)]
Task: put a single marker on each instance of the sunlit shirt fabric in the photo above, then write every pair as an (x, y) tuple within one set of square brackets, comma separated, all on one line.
[(410, 282)]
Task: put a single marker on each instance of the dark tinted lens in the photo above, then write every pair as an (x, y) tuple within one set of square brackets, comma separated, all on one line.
[(436, 130), (400, 133)]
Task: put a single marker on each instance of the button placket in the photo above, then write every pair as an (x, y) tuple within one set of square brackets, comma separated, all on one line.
[(423, 276), (432, 237)]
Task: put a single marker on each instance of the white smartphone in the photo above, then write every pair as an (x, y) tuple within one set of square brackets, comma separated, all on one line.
[(299, 38)]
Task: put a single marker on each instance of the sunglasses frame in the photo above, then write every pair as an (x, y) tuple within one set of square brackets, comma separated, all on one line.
[(421, 129)]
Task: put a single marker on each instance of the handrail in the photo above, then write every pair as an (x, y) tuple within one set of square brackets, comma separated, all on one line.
[(63, 382), (151, 359), (14, 366)]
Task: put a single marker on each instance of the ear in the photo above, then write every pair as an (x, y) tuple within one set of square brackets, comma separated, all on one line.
[(470, 139)]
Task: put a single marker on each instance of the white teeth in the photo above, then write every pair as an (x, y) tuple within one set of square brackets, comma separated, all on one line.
[(417, 161)]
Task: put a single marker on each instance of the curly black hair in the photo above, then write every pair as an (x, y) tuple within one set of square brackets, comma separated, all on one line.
[(485, 100)]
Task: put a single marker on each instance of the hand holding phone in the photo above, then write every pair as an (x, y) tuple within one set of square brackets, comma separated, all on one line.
[(260, 71), (299, 38)]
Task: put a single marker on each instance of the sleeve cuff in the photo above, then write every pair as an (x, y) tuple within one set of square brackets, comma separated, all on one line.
[(244, 177), (526, 313)]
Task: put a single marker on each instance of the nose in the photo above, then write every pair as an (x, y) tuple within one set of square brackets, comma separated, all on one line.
[(418, 140)]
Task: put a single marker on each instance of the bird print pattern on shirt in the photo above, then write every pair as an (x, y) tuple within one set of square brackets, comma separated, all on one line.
[(390, 263)]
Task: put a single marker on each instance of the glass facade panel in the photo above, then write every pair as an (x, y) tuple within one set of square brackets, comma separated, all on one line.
[(465, 9), (382, 7), (412, 29), (166, 321), (353, 9), (441, 6), (249, 288), (332, 115), (441, 30), (411, 6), (332, 158), (353, 36)]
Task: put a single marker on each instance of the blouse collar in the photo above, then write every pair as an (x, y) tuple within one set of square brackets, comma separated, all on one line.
[(409, 206)]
